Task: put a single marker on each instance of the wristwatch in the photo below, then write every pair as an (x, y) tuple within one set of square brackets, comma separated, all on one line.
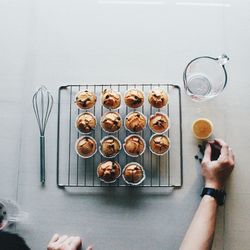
[(219, 195)]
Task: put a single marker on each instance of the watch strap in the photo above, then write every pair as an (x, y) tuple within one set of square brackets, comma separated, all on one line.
[(219, 195)]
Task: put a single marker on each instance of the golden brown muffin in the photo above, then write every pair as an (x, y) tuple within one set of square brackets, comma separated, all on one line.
[(86, 146), (111, 122), (86, 122), (158, 98), (134, 145), (135, 122), (133, 173), (85, 99), (158, 122), (110, 99), (159, 144), (108, 171), (110, 146), (134, 98)]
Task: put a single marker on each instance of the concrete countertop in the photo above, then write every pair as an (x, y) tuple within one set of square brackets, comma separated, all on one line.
[(67, 42)]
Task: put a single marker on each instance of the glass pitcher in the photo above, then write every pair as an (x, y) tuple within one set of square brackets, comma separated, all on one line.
[(205, 77)]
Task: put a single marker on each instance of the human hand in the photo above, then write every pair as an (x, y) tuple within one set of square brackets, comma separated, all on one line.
[(216, 172), (65, 243)]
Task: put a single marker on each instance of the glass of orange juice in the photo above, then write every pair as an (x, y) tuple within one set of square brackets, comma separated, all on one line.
[(202, 128)]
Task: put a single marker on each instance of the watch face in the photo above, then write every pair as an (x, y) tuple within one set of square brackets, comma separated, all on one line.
[(219, 195)]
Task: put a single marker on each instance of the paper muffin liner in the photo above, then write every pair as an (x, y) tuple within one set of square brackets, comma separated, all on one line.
[(151, 148), (158, 89), (132, 183), (127, 139), (155, 132), (79, 139), (136, 90), (81, 107), (108, 182), (131, 131), (103, 139), (108, 108), (108, 132), (77, 120)]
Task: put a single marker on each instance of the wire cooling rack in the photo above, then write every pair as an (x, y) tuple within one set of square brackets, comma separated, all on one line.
[(74, 171)]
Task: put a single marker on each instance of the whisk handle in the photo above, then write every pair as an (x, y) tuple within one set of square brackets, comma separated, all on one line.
[(42, 159)]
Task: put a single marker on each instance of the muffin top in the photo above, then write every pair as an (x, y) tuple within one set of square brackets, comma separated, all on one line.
[(110, 146), (158, 98), (134, 98), (85, 99), (86, 146), (86, 122), (135, 122), (158, 122), (108, 171), (111, 99), (134, 145), (133, 173), (111, 122), (159, 144)]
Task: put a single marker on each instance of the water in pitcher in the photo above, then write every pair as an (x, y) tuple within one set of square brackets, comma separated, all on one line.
[(205, 77), (199, 85)]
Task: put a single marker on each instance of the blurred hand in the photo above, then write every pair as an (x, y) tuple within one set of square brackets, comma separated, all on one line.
[(215, 173), (65, 243)]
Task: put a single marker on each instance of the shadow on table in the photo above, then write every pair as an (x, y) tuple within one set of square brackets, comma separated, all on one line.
[(124, 197)]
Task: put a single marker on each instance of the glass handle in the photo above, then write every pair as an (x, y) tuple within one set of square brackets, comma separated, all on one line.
[(223, 59)]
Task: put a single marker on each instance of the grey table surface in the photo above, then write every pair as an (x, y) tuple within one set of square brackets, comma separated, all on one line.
[(65, 42)]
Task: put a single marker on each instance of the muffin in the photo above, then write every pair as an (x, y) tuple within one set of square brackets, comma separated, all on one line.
[(159, 144), (134, 145), (85, 122), (135, 122), (86, 146), (158, 98), (158, 122), (134, 98), (133, 173), (111, 122), (85, 99), (111, 99), (108, 171), (110, 146)]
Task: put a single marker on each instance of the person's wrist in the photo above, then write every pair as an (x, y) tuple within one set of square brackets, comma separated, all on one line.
[(214, 185), (209, 198)]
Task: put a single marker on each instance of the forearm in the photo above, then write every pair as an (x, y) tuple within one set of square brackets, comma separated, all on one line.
[(201, 231)]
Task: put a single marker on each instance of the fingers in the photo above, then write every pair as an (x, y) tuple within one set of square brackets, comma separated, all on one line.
[(207, 153), (220, 142), (224, 147), (69, 240), (76, 242), (231, 155), (62, 239), (90, 248), (54, 238)]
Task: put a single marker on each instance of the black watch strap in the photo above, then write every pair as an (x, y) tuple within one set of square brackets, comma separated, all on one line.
[(219, 195)]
